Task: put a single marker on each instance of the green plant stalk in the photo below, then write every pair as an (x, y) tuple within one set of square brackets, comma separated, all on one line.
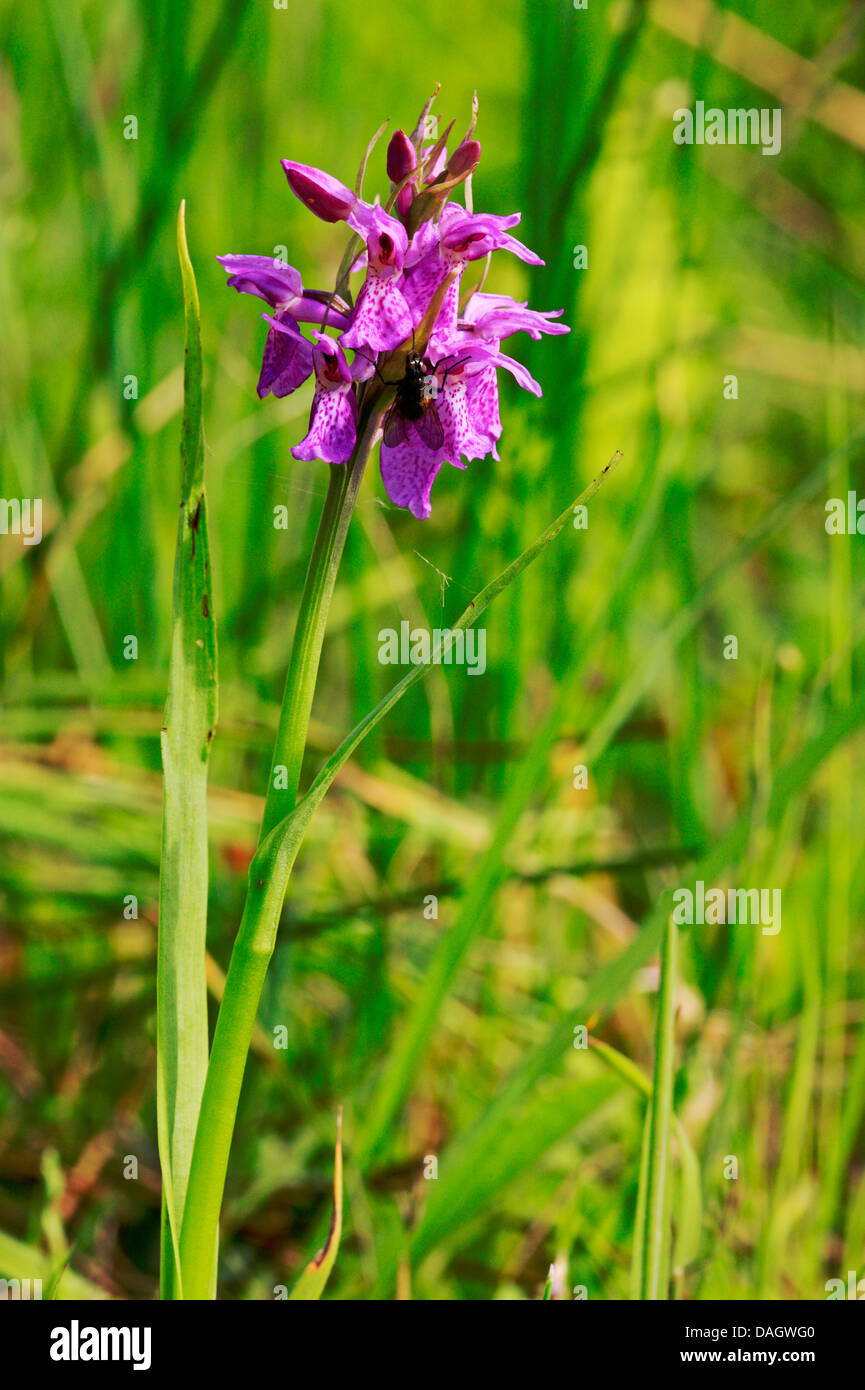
[(840, 808), (269, 873), (244, 983), (689, 1214), (188, 724), (290, 744), (657, 1230), (638, 1253)]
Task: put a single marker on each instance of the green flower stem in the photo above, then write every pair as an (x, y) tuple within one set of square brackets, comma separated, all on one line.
[(288, 750), (268, 879)]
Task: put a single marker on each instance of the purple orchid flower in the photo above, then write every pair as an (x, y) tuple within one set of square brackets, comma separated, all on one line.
[(381, 320), (496, 316), (287, 358), (468, 236), (408, 253), (333, 418), (461, 237), (280, 286), (467, 403)]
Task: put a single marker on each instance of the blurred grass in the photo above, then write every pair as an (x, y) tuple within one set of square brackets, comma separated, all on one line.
[(702, 262)]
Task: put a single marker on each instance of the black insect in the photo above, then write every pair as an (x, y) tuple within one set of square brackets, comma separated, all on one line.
[(415, 408)]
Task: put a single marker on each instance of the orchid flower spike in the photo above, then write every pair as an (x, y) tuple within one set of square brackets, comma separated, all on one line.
[(405, 328)]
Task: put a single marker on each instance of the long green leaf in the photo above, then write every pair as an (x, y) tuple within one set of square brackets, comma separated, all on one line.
[(639, 1242), (190, 718)]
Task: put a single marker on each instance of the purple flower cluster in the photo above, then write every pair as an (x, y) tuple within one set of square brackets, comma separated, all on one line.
[(407, 329)]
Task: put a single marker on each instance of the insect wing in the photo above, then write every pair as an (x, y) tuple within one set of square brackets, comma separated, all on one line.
[(394, 432), (429, 427)]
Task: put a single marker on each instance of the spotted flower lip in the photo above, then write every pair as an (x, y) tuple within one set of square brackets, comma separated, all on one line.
[(382, 319), (413, 256), (333, 419)]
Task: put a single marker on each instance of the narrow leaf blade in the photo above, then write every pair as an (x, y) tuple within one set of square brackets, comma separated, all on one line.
[(310, 1285), (190, 717)]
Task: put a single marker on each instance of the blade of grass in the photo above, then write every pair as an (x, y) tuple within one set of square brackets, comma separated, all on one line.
[(690, 1209), (657, 1235), (840, 867), (636, 1282), (21, 1261), (190, 717), (311, 1283)]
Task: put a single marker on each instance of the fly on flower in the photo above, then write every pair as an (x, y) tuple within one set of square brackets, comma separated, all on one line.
[(416, 405), (414, 250)]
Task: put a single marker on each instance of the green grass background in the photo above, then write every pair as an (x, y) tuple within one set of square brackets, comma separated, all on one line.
[(702, 262)]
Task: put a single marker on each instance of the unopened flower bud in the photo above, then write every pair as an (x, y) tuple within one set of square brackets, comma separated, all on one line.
[(320, 192), (464, 160), (401, 161)]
